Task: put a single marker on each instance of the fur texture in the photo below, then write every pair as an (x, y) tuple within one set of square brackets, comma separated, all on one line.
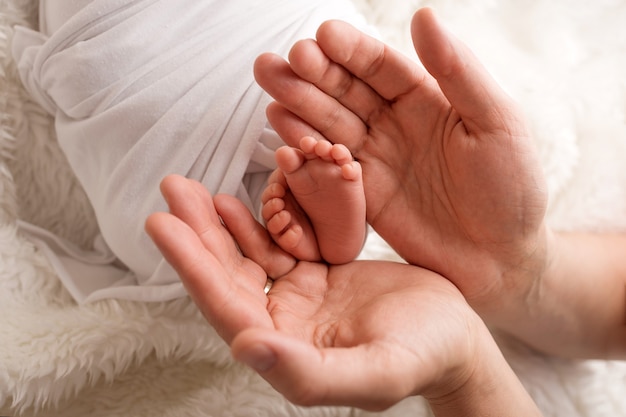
[(563, 61)]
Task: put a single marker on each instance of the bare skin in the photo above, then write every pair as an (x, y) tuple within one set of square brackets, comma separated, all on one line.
[(443, 148), (364, 334), (453, 158), (447, 151), (314, 205)]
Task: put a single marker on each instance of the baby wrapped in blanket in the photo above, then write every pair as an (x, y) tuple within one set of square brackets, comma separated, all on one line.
[(145, 88)]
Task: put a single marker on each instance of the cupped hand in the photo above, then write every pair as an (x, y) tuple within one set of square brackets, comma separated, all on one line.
[(366, 333), (451, 175)]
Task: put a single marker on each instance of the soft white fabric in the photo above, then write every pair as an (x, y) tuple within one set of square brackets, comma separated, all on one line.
[(145, 88), (54, 14), (122, 358)]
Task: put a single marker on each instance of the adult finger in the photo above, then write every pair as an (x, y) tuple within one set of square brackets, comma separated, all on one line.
[(367, 376), (206, 259), (303, 99), (465, 82), (252, 238), (289, 127), (387, 71), (191, 202), (179, 245), (201, 272), (310, 63)]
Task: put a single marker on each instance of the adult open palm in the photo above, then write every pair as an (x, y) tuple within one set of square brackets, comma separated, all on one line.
[(365, 333), (451, 176)]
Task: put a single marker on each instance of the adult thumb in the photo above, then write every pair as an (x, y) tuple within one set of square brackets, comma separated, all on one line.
[(468, 86), (364, 376)]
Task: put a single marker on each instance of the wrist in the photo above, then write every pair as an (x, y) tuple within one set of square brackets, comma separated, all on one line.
[(575, 308), (485, 386), (517, 281)]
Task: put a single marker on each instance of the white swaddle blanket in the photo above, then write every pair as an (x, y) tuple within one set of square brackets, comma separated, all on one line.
[(145, 88)]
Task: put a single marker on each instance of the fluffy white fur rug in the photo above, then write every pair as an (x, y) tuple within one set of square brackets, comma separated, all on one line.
[(563, 60)]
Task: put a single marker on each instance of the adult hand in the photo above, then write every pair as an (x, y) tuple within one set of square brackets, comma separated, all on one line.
[(365, 334), (451, 176)]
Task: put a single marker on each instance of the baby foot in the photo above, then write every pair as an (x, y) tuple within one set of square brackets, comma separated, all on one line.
[(315, 204), (285, 220)]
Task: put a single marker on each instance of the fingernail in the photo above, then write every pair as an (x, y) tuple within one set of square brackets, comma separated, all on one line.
[(258, 357)]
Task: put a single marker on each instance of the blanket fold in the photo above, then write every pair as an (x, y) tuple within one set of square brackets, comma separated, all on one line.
[(145, 88)]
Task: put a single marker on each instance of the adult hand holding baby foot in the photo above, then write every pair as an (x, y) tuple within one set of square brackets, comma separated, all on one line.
[(365, 333), (451, 177)]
